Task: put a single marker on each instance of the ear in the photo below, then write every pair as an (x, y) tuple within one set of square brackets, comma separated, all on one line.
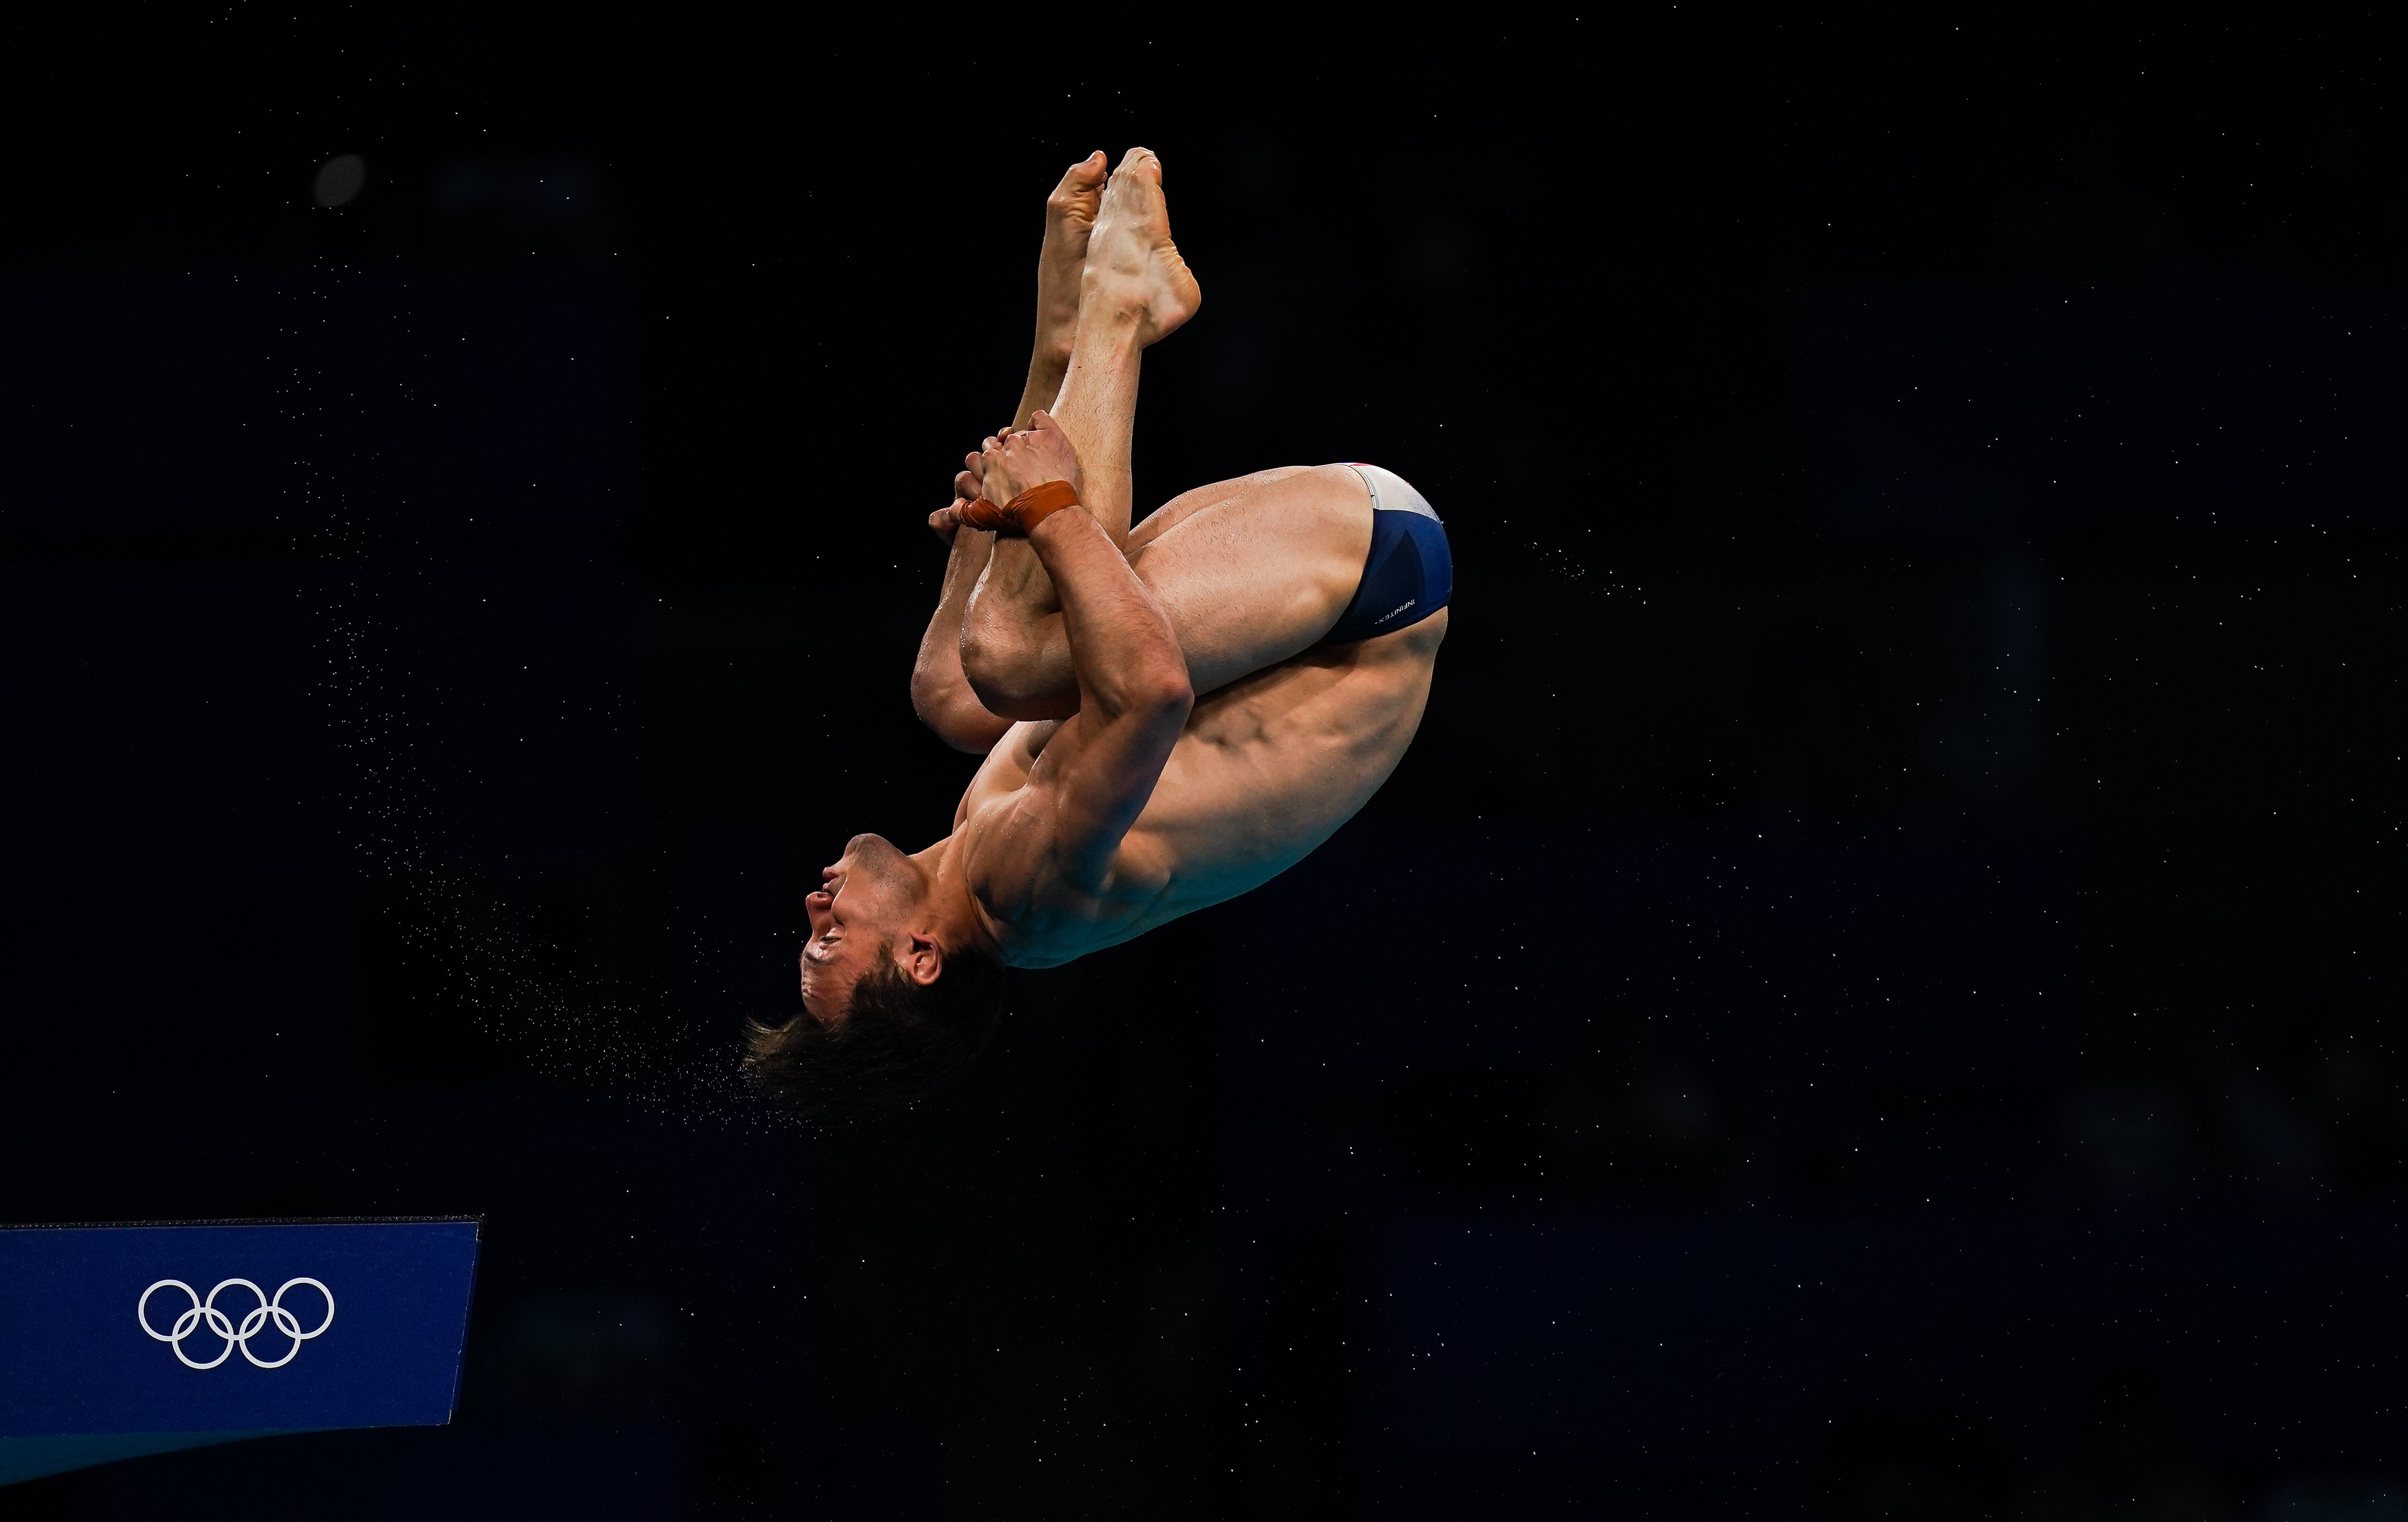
[(922, 959)]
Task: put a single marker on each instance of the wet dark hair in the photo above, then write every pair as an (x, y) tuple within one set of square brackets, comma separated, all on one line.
[(898, 1039)]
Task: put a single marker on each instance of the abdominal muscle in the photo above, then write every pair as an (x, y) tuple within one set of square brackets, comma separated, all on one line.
[(1266, 769)]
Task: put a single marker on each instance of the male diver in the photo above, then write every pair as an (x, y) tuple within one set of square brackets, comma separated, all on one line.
[(1170, 716)]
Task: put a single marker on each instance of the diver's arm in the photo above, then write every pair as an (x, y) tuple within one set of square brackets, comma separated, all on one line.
[(1100, 767), (1097, 770)]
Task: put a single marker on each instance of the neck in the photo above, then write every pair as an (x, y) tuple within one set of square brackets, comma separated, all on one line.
[(954, 909)]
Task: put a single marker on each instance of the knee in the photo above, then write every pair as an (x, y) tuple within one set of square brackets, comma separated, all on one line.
[(1005, 675), (985, 664)]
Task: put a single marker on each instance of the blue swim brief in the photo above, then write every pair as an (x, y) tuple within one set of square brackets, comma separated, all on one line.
[(1409, 574)]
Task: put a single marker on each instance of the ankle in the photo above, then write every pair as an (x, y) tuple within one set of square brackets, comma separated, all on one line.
[(1109, 313)]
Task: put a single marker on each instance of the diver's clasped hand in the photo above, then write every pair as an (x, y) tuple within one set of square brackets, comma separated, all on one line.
[(1012, 482), (1038, 454), (1024, 512)]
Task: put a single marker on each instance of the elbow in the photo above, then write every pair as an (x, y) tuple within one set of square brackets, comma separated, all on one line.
[(1166, 693)]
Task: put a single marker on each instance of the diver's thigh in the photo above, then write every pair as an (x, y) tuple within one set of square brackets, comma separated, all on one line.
[(1257, 577), (1168, 516)]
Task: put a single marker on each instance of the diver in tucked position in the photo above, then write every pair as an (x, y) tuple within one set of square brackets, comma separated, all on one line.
[(1170, 716)]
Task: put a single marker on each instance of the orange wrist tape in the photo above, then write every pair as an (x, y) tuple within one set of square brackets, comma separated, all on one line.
[(1023, 513), (1033, 506)]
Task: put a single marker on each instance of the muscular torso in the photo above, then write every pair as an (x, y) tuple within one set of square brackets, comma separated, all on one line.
[(1267, 769)]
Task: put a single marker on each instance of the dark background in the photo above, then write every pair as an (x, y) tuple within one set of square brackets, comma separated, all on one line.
[(1877, 992)]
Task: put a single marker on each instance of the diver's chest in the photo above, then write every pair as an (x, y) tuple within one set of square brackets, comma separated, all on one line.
[(1305, 724), (1247, 779)]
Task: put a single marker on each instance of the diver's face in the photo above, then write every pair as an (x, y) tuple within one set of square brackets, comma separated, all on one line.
[(863, 907)]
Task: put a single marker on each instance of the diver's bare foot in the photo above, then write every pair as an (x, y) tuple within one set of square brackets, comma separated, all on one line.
[(1132, 264), (1069, 221)]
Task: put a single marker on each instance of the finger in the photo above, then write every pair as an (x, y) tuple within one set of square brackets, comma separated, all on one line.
[(965, 486)]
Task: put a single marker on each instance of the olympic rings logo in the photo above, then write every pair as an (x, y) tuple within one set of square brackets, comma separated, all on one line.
[(255, 1321)]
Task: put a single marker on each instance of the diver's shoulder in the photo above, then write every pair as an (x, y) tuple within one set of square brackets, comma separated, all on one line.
[(1052, 922)]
